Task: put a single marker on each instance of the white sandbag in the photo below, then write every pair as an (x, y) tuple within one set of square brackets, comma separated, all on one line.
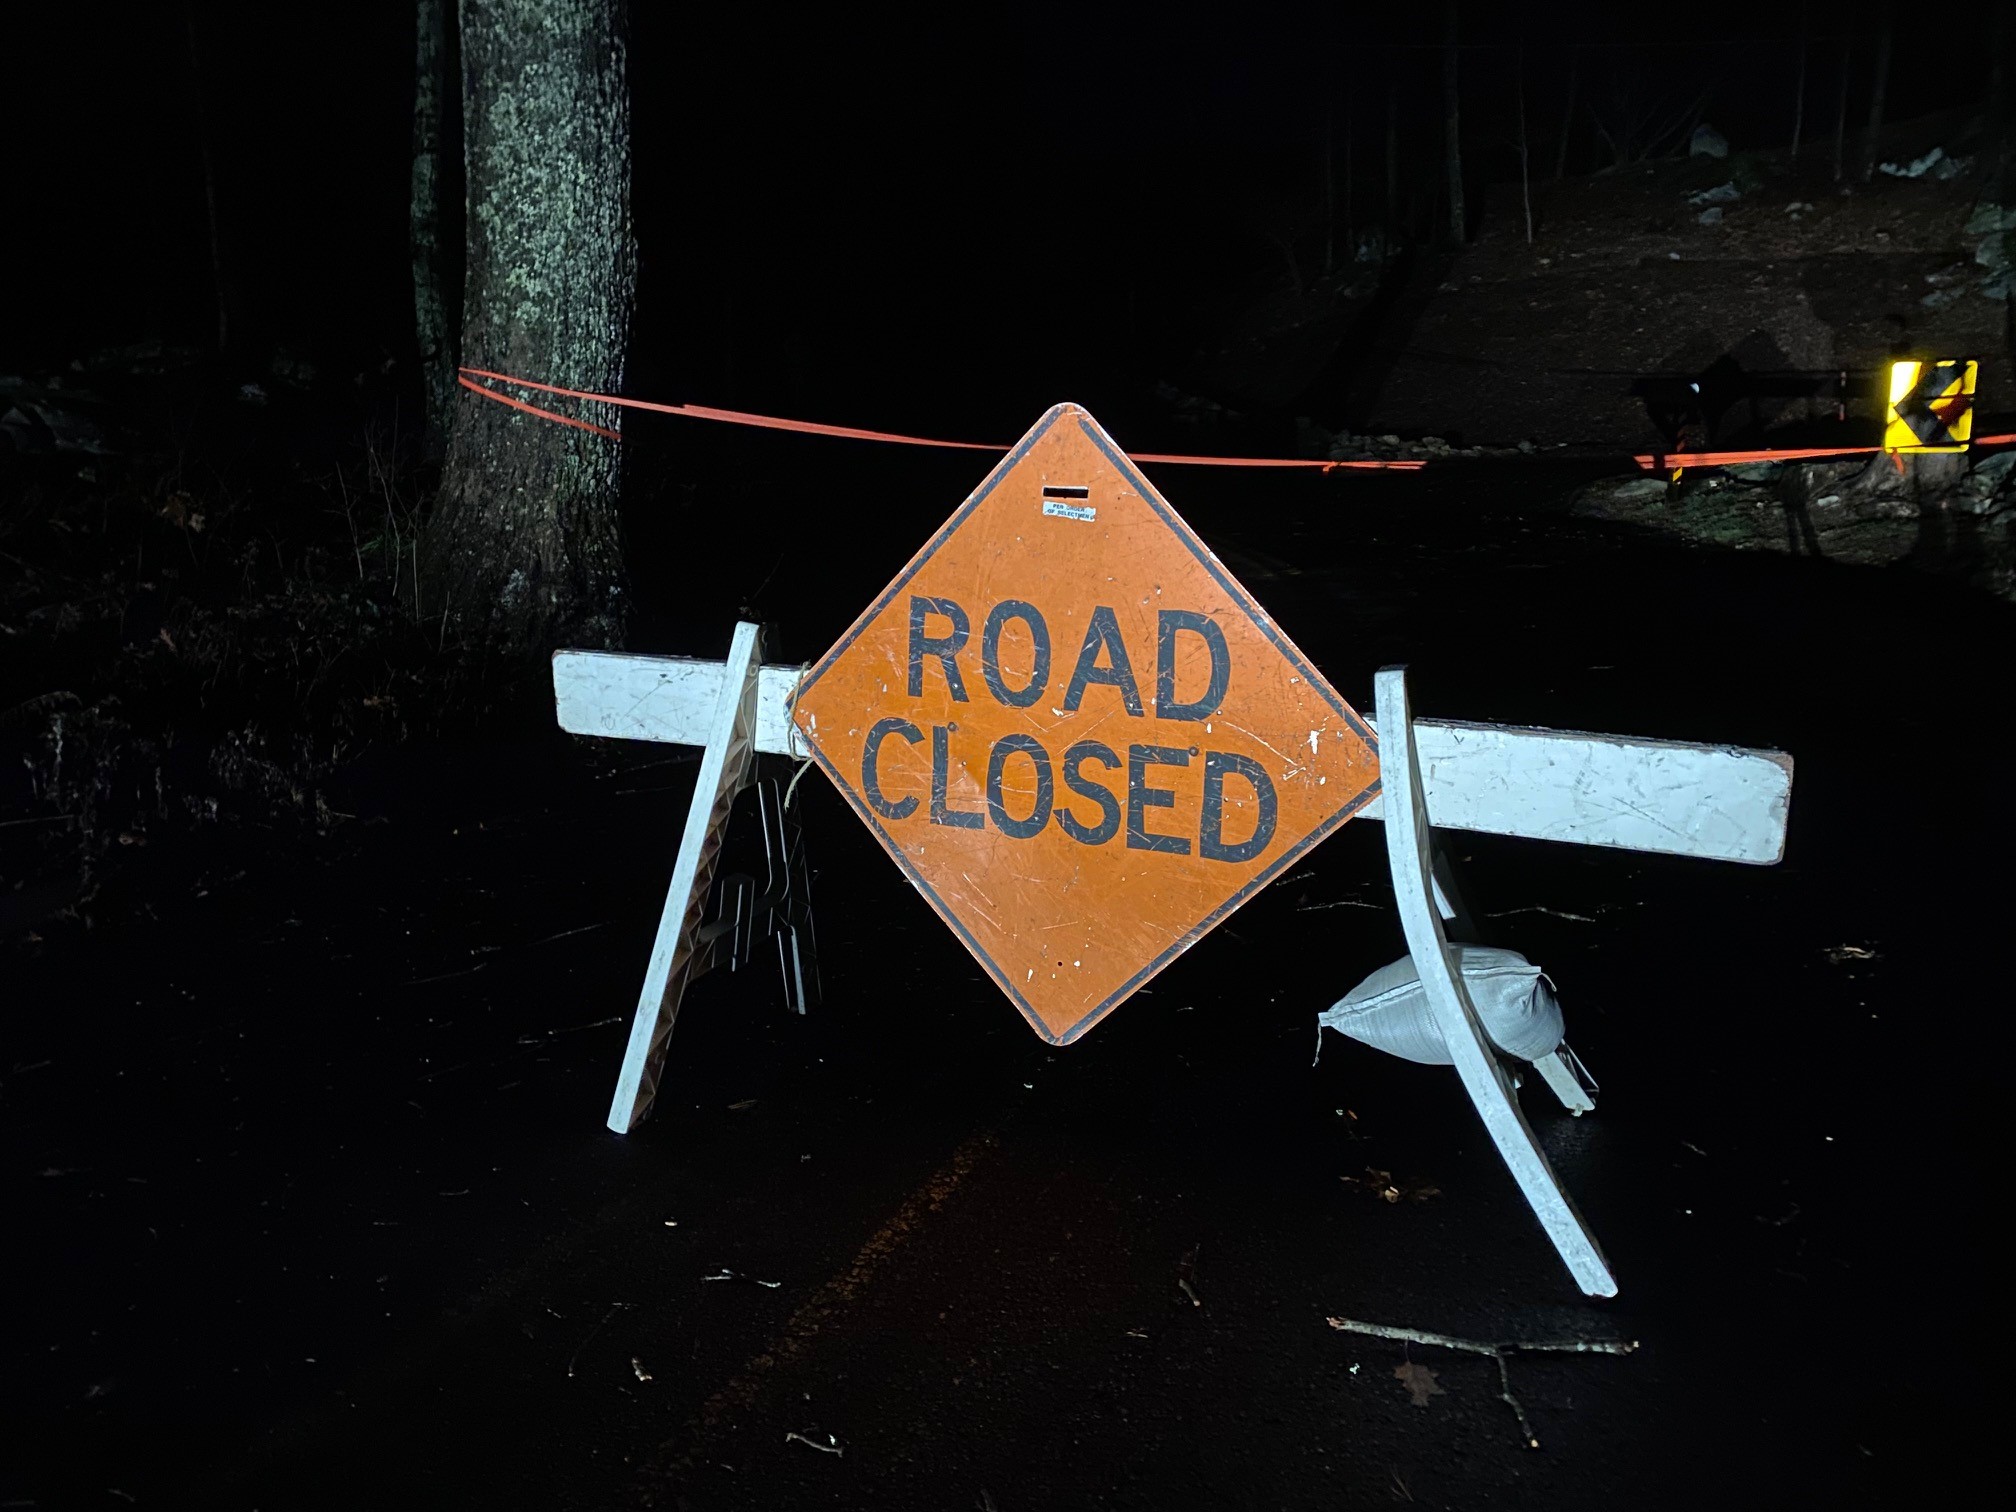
[(1389, 1011)]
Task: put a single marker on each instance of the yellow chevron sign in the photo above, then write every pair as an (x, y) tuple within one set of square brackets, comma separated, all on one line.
[(1931, 406)]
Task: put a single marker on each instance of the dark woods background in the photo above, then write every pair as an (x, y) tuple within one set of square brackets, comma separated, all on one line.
[(947, 217)]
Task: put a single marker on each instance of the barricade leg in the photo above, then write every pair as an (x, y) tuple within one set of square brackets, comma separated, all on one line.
[(1405, 810), (676, 954), (1568, 1079)]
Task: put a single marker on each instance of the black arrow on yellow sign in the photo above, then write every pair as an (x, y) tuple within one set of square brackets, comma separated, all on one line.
[(1931, 406)]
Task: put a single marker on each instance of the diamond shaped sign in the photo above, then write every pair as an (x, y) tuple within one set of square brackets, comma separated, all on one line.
[(1076, 733)]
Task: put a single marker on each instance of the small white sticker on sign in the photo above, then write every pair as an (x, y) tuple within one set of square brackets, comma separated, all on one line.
[(1070, 511)]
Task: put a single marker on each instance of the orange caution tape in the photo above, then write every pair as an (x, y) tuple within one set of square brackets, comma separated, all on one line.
[(1393, 464), (533, 409), (814, 428), (1649, 461), (1682, 460), (1731, 458)]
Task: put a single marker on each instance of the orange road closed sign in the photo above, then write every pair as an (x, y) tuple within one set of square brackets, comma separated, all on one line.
[(1076, 733)]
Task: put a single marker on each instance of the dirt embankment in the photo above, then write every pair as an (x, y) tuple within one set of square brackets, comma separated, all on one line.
[(1730, 302), (1757, 267)]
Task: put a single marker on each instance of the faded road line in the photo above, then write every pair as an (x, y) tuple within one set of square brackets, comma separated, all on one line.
[(830, 1300)]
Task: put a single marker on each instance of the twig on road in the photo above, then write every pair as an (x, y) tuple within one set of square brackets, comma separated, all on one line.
[(571, 1363), (831, 1446)]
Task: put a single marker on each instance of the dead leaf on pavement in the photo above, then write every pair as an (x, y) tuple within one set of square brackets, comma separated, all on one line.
[(1381, 1184), (1419, 1381)]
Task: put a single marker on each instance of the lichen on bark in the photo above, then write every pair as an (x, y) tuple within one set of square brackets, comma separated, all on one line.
[(524, 547), (431, 306)]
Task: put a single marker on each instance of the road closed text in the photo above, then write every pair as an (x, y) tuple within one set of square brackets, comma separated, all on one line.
[(1166, 794)]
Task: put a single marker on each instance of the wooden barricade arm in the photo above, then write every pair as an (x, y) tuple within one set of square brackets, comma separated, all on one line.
[(1484, 1078)]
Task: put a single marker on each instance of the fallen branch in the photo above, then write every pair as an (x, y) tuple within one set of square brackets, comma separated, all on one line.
[(568, 934), (1480, 1346), (1496, 1350), (726, 1274)]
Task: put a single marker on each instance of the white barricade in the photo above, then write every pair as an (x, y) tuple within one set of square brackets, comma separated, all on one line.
[(1716, 802)]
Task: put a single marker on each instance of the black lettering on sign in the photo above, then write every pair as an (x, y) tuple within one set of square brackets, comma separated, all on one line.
[(871, 753), (1211, 844), (1169, 623), (941, 759), (990, 653), (1109, 806), (944, 647), (1022, 745), (1102, 658), (1104, 630), (1141, 797)]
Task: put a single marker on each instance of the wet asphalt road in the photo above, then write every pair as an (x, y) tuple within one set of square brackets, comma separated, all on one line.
[(312, 1205)]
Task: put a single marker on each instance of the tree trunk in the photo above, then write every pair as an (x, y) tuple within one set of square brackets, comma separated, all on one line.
[(1350, 194), (1799, 94), (1998, 65), (1451, 123), (1392, 162), (1567, 118), (219, 284), (1525, 177), (1329, 192), (523, 550), (1876, 94), (430, 301), (1999, 116)]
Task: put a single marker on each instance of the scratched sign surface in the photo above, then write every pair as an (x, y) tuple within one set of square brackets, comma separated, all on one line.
[(1077, 734)]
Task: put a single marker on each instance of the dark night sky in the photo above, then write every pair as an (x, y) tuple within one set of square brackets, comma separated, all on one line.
[(891, 221)]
